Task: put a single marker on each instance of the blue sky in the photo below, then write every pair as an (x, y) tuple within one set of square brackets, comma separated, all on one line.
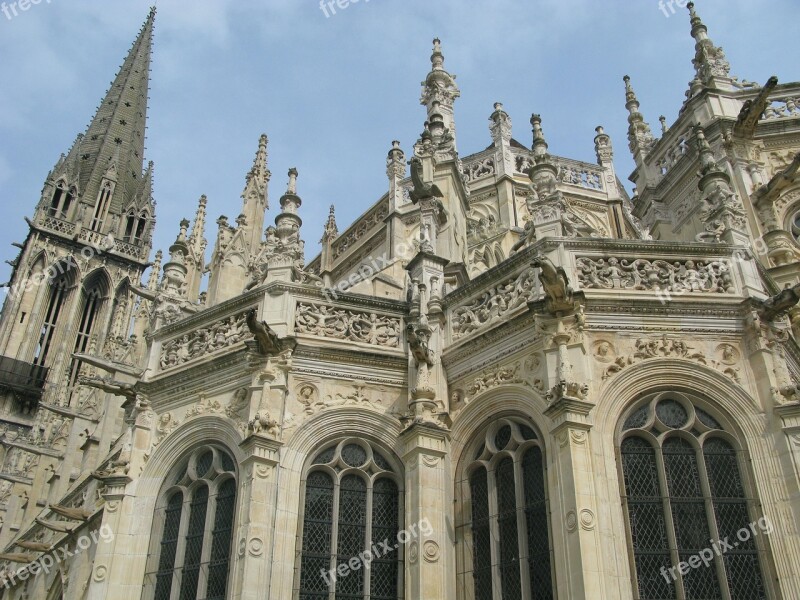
[(333, 92)]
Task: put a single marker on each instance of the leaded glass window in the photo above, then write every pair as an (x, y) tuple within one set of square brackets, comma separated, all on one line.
[(353, 503), (684, 494), (194, 529), (509, 529)]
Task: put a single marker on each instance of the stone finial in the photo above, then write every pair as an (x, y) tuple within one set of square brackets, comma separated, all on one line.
[(331, 231), (292, 186), (500, 124), (602, 146), (709, 60), (437, 58), (539, 143), (640, 136), (663, 120), (197, 239), (155, 272), (396, 162)]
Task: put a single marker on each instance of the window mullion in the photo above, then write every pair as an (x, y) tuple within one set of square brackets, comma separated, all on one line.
[(719, 565), (522, 527), (669, 523), (205, 553), (181, 549), (368, 537), (494, 529), (334, 535)]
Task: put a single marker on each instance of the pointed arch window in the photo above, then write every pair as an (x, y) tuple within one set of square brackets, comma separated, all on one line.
[(61, 201), (59, 291), (102, 206), (135, 226), (353, 504), (683, 492), (92, 299), (507, 525), (193, 531)]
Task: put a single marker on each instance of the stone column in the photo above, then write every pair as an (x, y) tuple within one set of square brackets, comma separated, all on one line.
[(576, 499), (254, 540), (429, 559), (113, 554)]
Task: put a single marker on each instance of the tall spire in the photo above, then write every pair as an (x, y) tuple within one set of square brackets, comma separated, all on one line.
[(254, 197), (117, 131), (539, 143), (439, 90), (331, 230), (710, 64), (197, 239), (640, 136)]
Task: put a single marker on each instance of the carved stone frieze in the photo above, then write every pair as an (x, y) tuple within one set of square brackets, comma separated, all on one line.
[(640, 274), (225, 333), (369, 328), (725, 358), (495, 303)]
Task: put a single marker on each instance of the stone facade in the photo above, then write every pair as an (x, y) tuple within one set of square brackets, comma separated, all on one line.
[(496, 360)]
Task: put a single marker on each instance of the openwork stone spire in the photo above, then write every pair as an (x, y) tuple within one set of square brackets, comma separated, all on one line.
[(709, 61), (439, 90), (640, 136)]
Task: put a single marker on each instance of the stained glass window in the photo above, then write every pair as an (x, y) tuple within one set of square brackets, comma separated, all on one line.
[(338, 527), (522, 568), (192, 556), (701, 500)]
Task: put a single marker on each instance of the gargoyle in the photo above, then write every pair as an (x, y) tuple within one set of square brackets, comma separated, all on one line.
[(753, 109), (35, 546), (17, 558), (779, 303), (418, 344), (57, 526), (75, 514), (268, 341), (107, 384), (421, 189), (555, 283)]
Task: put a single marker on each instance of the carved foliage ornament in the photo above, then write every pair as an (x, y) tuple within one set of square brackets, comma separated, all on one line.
[(222, 334), (641, 274), (369, 328), (496, 302)]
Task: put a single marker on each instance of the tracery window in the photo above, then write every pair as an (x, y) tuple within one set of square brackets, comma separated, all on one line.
[(101, 208), (61, 201), (683, 492), (193, 531), (353, 504), (92, 302), (59, 291), (508, 515)]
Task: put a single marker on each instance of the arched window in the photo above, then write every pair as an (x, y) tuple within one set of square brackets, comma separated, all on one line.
[(353, 504), (507, 513), (59, 290), (92, 297), (193, 530), (101, 208), (61, 201), (690, 522)]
